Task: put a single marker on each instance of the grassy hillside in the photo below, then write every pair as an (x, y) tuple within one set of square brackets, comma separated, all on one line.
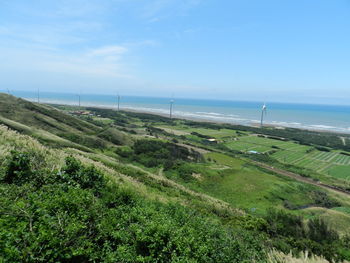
[(145, 193), (54, 127)]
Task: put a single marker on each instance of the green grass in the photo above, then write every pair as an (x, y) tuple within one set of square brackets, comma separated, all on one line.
[(327, 163), (247, 187), (288, 152), (338, 218), (246, 146), (184, 130), (56, 127), (103, 120), (339, 171), (343, 209)]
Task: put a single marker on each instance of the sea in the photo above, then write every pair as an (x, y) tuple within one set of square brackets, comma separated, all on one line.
[(334, 118)]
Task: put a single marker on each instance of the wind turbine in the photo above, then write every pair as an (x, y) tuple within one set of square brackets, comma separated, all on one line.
[(171, 108), (263, 112), (118, 101)]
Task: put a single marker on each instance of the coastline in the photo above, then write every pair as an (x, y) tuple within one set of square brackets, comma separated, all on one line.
[(191, 118)]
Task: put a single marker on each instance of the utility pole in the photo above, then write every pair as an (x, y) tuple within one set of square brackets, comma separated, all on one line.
[(38, 95)]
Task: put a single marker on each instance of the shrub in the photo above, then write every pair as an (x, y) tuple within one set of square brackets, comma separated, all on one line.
[(18, 169), (75, 174), (153, 153), (319, 231), (322, 199)]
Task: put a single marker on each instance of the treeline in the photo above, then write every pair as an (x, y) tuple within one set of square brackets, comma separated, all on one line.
[(118, 117), (147, 117), (74, 214), (157, 153)]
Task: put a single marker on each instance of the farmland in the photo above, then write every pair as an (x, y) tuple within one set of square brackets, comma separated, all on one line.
[(329, 163), (332, 163)]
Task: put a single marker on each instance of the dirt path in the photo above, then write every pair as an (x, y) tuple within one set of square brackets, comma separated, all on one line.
[(301, 178)]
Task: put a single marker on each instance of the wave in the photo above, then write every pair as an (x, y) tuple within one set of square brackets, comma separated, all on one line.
[(320, 126), (216, 114)]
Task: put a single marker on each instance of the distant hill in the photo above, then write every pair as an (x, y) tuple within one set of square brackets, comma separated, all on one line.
[(54, 127)]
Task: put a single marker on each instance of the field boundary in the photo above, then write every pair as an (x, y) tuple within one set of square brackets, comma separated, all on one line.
[(301, 178)]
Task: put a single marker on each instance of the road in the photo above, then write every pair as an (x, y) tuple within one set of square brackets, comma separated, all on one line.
[(301, 178)]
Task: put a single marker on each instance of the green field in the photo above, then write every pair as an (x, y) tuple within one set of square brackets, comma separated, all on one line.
[(246, 186), (331, 163), (339, 171), (184, 130), (262, 145), (328, 163)]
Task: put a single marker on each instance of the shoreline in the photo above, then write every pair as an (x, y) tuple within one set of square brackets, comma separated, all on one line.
[(197, 119)]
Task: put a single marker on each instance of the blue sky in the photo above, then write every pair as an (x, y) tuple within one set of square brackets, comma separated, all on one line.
[(271, 50)]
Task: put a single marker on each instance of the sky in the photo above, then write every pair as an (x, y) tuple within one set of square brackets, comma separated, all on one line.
[(271, 50)]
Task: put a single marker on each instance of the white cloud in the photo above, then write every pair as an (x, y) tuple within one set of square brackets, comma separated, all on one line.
[(100, 62), (103, 62), (79, 38)]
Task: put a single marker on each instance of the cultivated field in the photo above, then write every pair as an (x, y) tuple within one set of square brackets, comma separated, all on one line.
[(333, 163)]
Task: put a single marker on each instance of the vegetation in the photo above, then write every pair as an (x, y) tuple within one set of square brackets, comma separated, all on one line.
[(156, 153), (130, 187), (86, 218)]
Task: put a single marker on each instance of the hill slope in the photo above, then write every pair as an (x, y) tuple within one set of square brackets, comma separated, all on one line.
[(55, 127), (153, 199)]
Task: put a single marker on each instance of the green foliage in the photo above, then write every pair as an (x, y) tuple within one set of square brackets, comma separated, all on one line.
[(319, 231), (322, 149), (125, 152), (304, 137), (75, 174), (18, 169), (290, 233), (89, 141), (200, 135), (73, 214), (183, 171), (115, 136), (153, 153), (323, 200), (65, 221)]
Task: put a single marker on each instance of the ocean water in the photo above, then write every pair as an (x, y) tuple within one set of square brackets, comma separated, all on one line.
[(315, 117)]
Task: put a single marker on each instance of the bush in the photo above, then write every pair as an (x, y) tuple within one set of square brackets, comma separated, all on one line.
[(319, 231), (18, 169), (114, 136), (77, 175), (59, 224), (125, 152), (282, 223), (153, 153), (322, 199)]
